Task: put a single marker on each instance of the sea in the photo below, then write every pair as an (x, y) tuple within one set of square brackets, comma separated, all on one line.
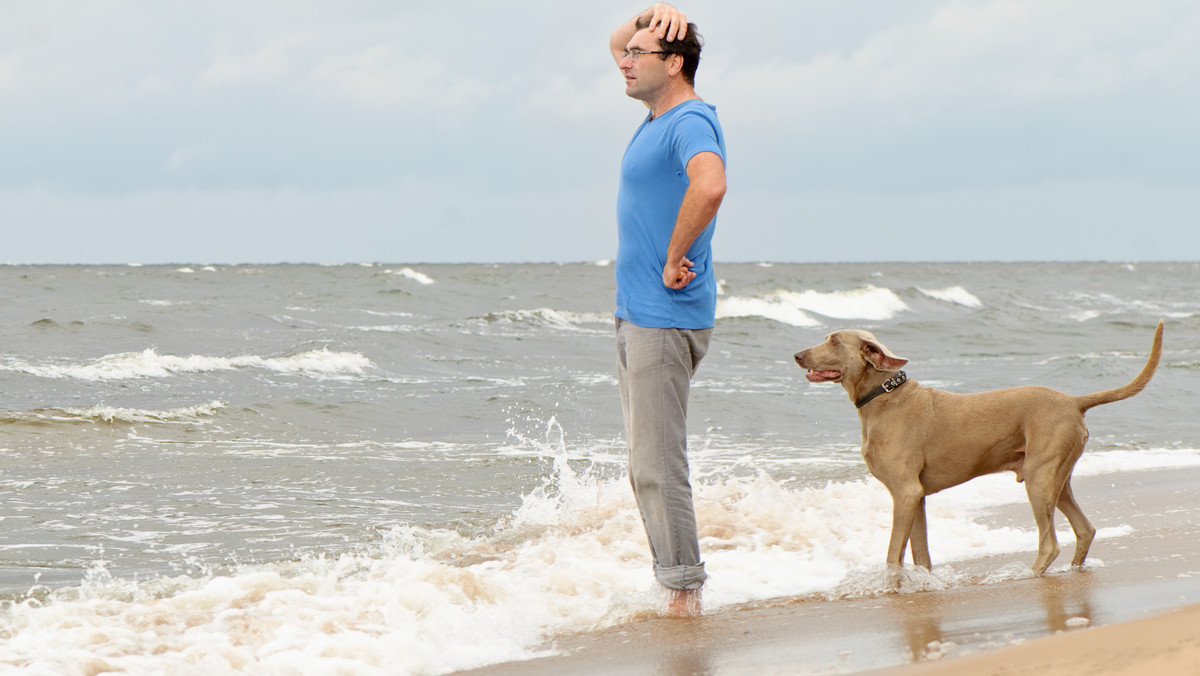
[(418, 469)]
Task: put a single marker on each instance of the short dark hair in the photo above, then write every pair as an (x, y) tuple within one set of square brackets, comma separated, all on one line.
[(688, 47)]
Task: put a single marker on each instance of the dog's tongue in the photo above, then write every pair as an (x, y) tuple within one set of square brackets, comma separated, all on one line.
[(822, 376)]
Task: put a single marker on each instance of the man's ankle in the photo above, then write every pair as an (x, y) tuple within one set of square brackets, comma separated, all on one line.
[(684, 603)]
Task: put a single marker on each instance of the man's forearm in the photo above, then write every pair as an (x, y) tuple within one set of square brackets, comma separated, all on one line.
[(622, 36), (699, 208), (706, 191)]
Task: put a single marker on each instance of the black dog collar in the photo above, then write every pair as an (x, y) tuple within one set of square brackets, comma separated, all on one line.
[(887, 386)]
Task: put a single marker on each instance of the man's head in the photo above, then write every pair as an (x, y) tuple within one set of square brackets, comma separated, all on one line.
[(687, 47), (654, 67)]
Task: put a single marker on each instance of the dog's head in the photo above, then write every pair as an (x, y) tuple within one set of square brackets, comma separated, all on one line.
[(846, 357)]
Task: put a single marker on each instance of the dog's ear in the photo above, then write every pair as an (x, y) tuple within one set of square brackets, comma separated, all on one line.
[(880, 357)]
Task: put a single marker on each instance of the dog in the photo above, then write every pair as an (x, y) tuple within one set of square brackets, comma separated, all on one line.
[(917, 440)]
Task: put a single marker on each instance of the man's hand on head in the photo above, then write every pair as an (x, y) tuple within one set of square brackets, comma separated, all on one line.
[(667, 23)]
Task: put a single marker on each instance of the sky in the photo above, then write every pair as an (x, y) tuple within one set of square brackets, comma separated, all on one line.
[(397, 131)]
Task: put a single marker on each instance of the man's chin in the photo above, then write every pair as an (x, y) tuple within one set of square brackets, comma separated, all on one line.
[(632, 91)]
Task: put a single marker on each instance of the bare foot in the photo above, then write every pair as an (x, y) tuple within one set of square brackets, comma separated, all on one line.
[(684, 603)]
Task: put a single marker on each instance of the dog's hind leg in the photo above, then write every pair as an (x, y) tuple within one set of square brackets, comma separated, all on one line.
[(919, 538), (1042, 489), (1046, 482), (1084, 532)]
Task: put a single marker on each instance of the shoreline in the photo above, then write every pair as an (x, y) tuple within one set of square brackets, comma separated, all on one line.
[(1146, 591), (1164, 645)]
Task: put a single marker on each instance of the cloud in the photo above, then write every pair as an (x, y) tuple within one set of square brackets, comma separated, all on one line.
[(265, 64), (597, 104), (1004, 54), (406, 221), (181, 158), (379, 77), (1053, 221)]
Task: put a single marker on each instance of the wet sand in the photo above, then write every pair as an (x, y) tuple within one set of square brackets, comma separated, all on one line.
[(1137, 613)]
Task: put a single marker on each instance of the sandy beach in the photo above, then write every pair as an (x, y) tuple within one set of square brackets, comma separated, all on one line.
[(1138, 611)]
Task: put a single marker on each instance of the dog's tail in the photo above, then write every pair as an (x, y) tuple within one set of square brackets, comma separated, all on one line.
[(1136, 385)]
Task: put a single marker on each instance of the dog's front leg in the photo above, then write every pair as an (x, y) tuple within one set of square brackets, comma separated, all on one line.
[(905, 503), (920, 538)]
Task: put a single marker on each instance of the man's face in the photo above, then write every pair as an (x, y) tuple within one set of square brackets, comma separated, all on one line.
[(645, 78)]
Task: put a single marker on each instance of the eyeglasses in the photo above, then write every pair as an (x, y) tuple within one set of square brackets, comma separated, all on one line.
[(634, 54)]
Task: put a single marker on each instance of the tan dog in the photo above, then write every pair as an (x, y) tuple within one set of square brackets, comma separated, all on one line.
[(917, 440)]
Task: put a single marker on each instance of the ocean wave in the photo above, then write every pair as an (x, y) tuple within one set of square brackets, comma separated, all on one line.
[(409, 273), (771, 306), (149, 364), (546, 317), (791, 307), (111, 414), (954, 294), (1085, 306)]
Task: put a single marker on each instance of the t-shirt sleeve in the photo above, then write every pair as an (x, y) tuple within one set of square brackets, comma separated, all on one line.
[(695, 134)]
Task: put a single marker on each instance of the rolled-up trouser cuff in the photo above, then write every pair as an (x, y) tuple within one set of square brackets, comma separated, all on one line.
[(681, 577)]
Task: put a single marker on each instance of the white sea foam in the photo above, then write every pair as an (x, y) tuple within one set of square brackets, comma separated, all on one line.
[(188, 414), (1108, 462), (1087, 306), (409, 273), (770, 307), (953, 294), (791, 307), (571, 558), (376, 313), (386, 328), (149, 364), (546, 317)]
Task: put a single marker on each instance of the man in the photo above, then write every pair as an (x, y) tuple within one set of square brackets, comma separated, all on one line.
[(672, 183)]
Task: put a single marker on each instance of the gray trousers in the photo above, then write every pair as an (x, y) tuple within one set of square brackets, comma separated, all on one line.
[(654, 372)]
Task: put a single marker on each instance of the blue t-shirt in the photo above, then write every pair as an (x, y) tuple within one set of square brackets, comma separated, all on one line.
[(653, 181)]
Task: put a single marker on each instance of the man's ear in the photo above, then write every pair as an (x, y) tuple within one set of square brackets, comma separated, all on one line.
[(675, 67), (877, 355)]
